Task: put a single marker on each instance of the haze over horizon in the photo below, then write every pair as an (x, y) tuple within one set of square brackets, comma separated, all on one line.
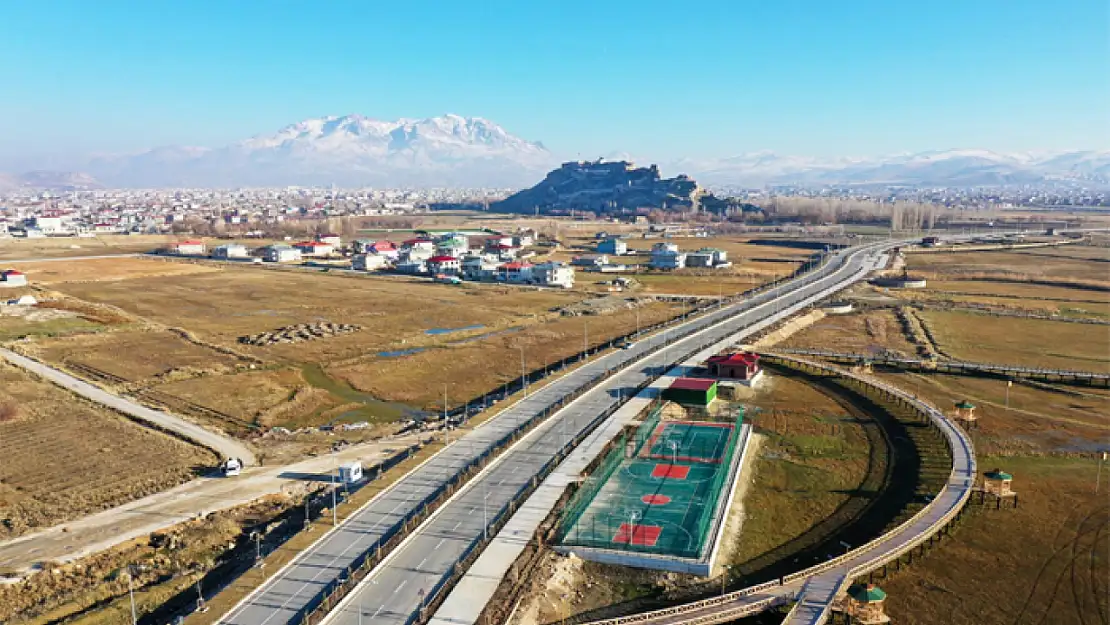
[(712, 80)]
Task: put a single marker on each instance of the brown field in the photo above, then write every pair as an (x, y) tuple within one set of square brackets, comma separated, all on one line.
[(136, 355), (108, 269), (1044, 299), (222, 306), (71, 246), (1026, 342), (473, 368), (1044, 562), (862, 333), (64, 457)]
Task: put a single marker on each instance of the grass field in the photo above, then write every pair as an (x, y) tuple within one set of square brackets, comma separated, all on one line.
[(1017, 341), (108, 270), (1030, 264), (64, 457)]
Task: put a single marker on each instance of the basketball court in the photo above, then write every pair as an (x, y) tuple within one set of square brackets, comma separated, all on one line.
[(662, 499)]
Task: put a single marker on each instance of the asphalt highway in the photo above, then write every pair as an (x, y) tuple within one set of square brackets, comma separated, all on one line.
[(398, 588)]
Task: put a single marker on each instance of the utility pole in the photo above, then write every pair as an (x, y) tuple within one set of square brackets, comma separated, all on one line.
[(334, 487), (523, 377), (586, 340), (446, 426), (131, 594)]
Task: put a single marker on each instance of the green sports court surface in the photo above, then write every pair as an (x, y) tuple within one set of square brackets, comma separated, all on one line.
[(662, 499)]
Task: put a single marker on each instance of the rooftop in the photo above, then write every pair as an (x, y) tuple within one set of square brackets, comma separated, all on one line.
[(693, 384)]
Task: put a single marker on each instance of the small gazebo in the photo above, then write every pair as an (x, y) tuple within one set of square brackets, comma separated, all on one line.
[(996, 483), (965, 414), (864, 604)]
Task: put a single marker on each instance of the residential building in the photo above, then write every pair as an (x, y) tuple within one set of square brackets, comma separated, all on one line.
[(334, 240), (189, 247), (281, 253), (314, 248), (361, 246), (691, 392), (369, 262), (554, 274), (518, 272), (667, 256), (444, 264), (229, 251), (480, 266), (385, 248), (593, 261), (12, 278), (613, 245), (411, 266)]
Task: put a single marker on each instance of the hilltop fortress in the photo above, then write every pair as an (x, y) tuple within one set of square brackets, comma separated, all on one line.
[(605, 187)]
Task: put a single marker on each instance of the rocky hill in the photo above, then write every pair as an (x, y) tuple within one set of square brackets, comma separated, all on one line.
[(604, 187)]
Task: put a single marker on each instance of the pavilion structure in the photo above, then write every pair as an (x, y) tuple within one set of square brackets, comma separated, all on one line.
[(965, 415), (996, 485), (863, 604)]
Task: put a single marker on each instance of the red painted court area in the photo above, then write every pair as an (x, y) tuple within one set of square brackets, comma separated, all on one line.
[(670, 471), (642, 535), (656, 500)]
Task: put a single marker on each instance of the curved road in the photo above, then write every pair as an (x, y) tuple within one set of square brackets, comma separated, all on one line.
[(400, 585), (225, 446)]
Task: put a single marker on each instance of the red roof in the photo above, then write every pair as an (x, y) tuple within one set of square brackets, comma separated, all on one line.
[(506, 247), (384, 245), (738, 358), (693, 384), (412, 242), (442, 259), (327, 235), (190, 242), (516, 265), (310, 244), (12, 272)]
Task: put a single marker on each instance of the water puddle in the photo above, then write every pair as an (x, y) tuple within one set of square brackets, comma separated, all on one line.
[(400, 352), (439, 331), (372, 409)]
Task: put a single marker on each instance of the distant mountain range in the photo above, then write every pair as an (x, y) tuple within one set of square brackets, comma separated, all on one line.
[(352, 150), (454, 151)]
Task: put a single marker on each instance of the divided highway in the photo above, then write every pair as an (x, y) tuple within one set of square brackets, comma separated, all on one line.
[(399, 587)]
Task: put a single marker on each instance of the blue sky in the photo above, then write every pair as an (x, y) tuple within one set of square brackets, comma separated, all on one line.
[(700, 78)]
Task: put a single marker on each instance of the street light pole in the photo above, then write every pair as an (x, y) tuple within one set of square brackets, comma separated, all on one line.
[(523, 377), (131, 594), (334, 487)]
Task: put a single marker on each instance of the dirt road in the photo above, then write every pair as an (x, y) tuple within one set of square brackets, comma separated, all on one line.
[(223, 445), (101, 531)]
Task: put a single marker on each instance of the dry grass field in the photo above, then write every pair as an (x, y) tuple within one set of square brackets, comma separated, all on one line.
[(136, 355), (1037, 264), (861, 332), (1017, 341), (64, 457), (1044, 562), (1064, 301), (1037, 420), (473, 368), (814, 455), (108, 270)]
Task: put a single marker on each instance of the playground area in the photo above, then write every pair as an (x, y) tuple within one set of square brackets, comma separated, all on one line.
[(661, 491)]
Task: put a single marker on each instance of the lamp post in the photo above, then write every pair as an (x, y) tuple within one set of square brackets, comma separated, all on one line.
[(523, 376), (131, 594)]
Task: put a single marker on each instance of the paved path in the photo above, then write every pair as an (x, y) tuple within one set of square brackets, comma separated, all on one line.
[(199, 497), (223, 445), (418, 566)]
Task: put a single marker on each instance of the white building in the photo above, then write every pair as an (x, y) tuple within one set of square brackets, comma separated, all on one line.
[(444, 264), (554, 274), (369, 262), (314, 248), (49, 225), (280, 253), (613, 246), (334, 240), (591, 260), (190, 247), (479, 266), (229, 251), (12, 278), (667, 256)]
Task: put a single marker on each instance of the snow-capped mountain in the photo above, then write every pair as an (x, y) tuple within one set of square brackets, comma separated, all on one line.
[(349, 150), (955, 168), (41, 179)]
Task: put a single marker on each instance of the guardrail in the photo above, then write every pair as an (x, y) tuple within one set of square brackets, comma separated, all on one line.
[(785, 585)]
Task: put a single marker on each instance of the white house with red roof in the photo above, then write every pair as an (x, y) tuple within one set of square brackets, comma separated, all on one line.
[(189, 247), (385, 248), (11, 278), (314, 248), (444, 264)]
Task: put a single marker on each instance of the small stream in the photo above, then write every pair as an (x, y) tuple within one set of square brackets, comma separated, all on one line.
[(372, 408)]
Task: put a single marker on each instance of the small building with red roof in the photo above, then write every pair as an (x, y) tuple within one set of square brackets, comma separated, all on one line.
[(334, 240), (12, 278), (737, 366)]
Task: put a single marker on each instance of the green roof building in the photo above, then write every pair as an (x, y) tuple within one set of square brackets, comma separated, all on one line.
[(692, 392)]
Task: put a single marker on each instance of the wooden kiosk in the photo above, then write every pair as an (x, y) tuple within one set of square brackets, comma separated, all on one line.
[(996, 483), (965, 415), (864, 605)]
